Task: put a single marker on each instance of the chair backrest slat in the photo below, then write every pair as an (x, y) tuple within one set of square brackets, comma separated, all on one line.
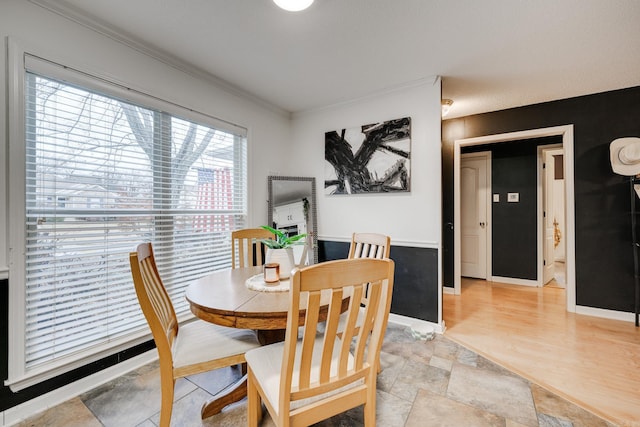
[(328, 344), (366, 328), (308, 340), (350, 330)]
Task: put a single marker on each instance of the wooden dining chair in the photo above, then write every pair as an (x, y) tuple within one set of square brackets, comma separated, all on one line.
[(369, 245), (187, 349), (302, 381), (247, 250)]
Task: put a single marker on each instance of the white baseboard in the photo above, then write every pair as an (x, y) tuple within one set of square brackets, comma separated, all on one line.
[(606, 314), (41, 403), (448, 290), (513, 281), (414, 323)]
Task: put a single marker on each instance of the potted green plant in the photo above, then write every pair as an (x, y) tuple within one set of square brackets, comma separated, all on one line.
[(280, 250)]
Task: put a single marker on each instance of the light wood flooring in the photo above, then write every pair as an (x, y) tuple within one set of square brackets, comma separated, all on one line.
[(590, 361)]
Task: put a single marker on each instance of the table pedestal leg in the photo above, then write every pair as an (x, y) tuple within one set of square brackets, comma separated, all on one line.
[(270, 336), (237, 392)]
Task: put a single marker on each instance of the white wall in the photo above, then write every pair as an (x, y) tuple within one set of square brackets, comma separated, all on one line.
[(409, 218), (48, 35)]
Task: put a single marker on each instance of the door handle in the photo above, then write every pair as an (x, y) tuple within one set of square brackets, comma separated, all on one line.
[(482, 224)]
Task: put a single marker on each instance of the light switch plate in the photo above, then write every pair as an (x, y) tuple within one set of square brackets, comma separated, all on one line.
[(513, 197), (496, 198)]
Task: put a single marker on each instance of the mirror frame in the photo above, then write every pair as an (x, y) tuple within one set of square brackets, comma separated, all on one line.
[(313, 233)]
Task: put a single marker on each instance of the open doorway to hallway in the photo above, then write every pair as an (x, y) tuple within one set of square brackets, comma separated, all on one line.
[(566, 136)]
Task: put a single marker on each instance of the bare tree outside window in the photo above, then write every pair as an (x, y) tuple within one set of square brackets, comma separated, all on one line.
[(104, 174)]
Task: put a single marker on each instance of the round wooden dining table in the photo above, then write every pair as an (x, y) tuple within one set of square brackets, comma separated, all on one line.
[(223, 298)]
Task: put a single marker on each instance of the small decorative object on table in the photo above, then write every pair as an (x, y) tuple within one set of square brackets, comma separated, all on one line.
[(272, 273), (281, 250), (257, 283)]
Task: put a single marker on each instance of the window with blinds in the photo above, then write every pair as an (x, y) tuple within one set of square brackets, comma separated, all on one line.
[(102, 175)]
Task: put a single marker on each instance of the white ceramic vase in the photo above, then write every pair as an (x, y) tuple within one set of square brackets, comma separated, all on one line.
[(284, 257)]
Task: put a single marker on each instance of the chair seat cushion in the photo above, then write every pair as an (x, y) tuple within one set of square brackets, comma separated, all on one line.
[(266, 364), (201, 341)]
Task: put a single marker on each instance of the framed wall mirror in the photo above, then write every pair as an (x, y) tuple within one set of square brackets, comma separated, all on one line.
[(292, 208)]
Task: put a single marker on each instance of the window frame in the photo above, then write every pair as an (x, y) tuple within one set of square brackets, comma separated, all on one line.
[(19, 63)]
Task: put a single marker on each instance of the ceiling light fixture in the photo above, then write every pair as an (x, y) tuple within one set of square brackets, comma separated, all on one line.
[(293, 5), (446, 106)]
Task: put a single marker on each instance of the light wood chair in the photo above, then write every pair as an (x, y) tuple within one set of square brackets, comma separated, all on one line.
[(302, 381), (247, 248), (186, 349), (369, 245)]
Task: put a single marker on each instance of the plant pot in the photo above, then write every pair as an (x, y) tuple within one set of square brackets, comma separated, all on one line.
[(284, 257)]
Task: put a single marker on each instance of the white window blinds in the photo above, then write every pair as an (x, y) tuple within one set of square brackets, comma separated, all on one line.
[(102, 175)]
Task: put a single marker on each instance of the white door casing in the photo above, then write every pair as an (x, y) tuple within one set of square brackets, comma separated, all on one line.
[(473, 214)]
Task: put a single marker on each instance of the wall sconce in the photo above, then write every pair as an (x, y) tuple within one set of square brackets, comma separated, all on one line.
[(293, 5), (446, 106)]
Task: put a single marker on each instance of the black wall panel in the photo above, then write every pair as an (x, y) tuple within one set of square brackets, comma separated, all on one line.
[(415, 291), (328, 250)]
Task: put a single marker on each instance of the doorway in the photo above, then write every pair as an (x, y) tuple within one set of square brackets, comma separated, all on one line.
[(551, 214), (475, 186), (566, 132)]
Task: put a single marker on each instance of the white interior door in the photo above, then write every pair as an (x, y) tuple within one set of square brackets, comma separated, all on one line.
[(553, 206), (473, 215), (547, 209)]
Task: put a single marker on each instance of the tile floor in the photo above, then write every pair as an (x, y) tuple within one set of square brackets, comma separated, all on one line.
[(423, 383)]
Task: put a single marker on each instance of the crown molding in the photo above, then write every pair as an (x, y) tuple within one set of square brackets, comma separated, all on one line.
[(94, 24), (371, 95)]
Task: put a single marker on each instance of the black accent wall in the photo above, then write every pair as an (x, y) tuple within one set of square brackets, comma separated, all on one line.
[(604, 262), (415, 290)]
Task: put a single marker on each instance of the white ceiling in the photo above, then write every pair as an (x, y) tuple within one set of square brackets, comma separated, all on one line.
[(491, 54)]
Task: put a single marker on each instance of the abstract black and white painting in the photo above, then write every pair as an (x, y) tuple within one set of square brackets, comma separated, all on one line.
[(373, 158)]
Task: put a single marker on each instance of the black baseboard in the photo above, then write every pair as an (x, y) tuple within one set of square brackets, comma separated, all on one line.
[(9, 399)]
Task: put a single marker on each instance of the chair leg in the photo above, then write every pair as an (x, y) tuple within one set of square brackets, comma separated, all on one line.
[(167, 385), (370, 405), (254, 407)]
